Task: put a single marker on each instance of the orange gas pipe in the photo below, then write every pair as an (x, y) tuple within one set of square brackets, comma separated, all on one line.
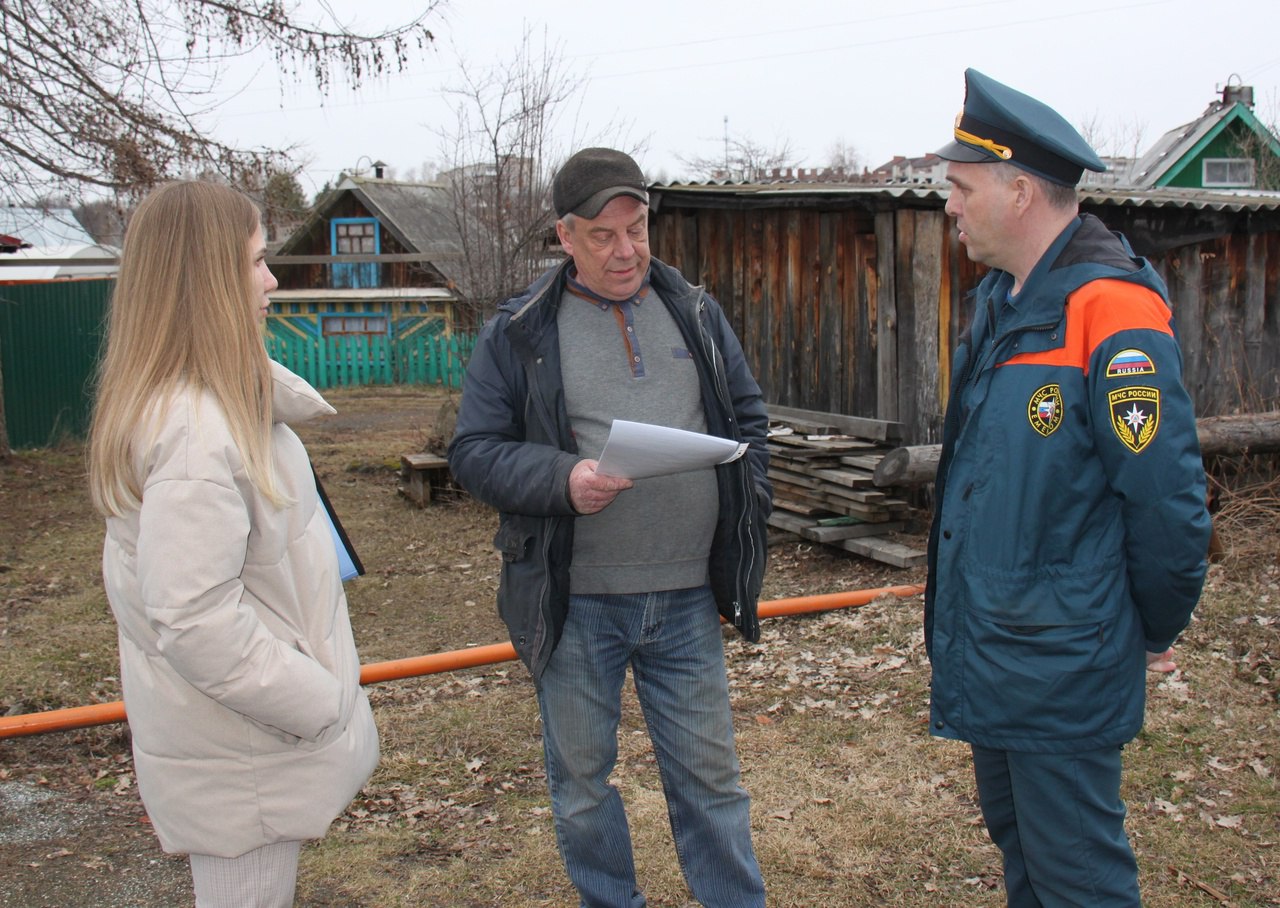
[(376, 672), (777, 608)]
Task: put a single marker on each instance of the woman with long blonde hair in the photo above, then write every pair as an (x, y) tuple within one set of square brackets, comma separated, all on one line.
[(240, 674)]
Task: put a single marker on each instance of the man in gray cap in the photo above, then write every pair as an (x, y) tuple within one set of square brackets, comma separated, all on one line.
[(1070, 533), (599, 572)]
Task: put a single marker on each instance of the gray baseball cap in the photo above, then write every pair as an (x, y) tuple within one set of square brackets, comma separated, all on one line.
[(594, 176)]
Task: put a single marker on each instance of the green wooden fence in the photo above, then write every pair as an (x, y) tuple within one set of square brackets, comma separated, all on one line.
[(49, 339), (50, 334), (351, 360)]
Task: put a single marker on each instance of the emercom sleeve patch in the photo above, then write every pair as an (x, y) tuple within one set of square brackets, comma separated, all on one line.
[(1135, 415)]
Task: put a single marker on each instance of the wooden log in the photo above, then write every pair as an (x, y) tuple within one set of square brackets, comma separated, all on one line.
[(1248, 433), (912, 465)]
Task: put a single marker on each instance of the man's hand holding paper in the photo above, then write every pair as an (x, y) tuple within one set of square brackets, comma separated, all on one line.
[(590, 490)]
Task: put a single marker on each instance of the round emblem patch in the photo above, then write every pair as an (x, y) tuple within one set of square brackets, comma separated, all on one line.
[(1044, 410)]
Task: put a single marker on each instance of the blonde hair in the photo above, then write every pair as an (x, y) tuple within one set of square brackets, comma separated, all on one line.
[(182, 315)]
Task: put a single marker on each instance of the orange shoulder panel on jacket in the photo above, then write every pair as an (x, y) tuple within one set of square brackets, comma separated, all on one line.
[(1099, 310)]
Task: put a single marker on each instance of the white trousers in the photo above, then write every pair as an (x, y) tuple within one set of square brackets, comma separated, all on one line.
[(263, 878)]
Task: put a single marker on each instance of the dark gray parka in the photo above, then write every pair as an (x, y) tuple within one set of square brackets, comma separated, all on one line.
[(514, 450)]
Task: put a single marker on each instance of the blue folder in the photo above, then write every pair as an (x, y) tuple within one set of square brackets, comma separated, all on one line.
[(349, 563)]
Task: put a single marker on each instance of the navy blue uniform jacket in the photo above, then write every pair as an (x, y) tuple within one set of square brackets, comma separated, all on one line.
[(1070, 530)]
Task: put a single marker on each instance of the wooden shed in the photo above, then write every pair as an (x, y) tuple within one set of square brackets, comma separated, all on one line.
[(849, 298)]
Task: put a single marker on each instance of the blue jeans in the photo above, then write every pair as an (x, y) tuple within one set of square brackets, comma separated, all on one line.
[(1059, 822), (673, 643)]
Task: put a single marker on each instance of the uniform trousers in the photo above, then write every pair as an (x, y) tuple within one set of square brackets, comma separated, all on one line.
[(1059, 822)]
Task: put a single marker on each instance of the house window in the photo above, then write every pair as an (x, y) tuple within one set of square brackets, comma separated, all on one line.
[(1228, 172), (354, 324), (355, 237)]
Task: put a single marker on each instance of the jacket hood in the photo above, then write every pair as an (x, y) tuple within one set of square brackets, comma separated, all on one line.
[(1093, 250), (293, 400)]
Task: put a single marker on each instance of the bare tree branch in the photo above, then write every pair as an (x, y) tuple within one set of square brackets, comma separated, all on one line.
[(109, 93), (744, 161), (501, 155)]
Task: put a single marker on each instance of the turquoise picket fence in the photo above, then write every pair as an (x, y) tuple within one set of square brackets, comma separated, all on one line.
[(353, 360)]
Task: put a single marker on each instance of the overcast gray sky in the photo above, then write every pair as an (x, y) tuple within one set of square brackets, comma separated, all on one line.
[(884, 78)]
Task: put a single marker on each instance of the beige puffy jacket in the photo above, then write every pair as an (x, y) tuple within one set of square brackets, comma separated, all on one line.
[(240, 673)]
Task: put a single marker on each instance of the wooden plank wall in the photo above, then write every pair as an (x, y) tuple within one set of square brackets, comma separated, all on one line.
[(857, 311), (799, 288), (1226, 297)]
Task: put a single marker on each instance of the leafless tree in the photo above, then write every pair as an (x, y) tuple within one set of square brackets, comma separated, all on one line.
[(844, 158), (1122, 144), (103, 219), (500, 155), (112, 95), (1264, 150), (744, 160)]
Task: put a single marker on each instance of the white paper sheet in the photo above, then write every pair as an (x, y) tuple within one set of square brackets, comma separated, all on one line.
[(637, 450)]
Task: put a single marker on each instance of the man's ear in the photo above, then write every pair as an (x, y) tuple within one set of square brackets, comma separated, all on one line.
[(565, 238), (1024, 191)]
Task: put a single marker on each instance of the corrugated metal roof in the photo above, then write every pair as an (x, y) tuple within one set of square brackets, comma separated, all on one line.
[(1172, 197), (1171, 146), (1169, 197), (44, 226)]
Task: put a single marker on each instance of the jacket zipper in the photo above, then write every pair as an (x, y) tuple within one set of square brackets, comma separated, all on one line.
[(743, 528), (976, 368)]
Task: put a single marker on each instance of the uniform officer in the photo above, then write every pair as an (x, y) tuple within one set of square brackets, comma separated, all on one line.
[(1069, 535)]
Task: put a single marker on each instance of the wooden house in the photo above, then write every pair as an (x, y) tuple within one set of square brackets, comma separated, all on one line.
[(850, 298), (376, 258), (1226, 147)]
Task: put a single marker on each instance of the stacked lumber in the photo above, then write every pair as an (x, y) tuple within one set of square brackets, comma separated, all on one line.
[(822, 467)]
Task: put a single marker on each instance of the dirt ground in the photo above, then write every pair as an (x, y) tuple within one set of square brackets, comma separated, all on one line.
[(853, 803)]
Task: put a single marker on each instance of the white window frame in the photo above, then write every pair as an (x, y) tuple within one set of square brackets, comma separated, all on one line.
[(354, 324), (1228, 165)]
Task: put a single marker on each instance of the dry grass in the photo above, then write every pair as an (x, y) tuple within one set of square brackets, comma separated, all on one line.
[(853, 802)]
